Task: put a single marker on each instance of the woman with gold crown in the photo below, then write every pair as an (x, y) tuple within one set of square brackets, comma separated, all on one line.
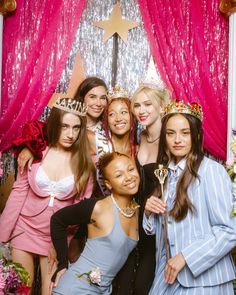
[(119, 130), (61, 178), (146, 105), (191, 214)]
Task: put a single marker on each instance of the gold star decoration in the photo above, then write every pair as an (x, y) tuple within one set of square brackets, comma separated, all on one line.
[(116, 24)]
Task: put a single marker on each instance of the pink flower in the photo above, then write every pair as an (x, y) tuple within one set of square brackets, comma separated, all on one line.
[(2, 281), (229, 162), (24, 290)]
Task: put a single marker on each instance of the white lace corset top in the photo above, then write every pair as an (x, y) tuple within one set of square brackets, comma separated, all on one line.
[(56, 189)]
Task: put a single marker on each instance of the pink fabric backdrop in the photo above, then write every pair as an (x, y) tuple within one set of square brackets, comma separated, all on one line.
[(189, 42), (36, 43)]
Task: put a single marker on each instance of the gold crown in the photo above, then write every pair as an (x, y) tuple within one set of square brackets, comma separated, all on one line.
[(71, 105), (180, 107), (117, 92)]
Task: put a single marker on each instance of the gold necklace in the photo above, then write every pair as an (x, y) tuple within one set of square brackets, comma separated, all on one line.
[(128, 211)]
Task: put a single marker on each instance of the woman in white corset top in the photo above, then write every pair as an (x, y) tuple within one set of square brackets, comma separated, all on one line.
[(60, 179)]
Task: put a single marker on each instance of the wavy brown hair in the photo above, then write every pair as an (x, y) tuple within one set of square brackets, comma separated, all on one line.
[(190, 173), (81, 162)]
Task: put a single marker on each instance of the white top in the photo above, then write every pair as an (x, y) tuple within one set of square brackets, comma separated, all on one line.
[(56, 189)]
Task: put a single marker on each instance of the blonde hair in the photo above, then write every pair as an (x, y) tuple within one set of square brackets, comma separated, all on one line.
[(156, 95)]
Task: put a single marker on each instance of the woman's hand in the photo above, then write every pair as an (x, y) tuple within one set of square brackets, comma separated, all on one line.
[(58, 276), (52, 259), (173, 267), (154, 205), (25, 156)]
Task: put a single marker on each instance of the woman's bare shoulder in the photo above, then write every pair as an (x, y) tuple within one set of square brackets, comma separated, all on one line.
[(102, 204)]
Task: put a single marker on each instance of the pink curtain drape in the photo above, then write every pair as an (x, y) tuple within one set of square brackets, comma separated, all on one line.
[(189, 42), (36, 43)]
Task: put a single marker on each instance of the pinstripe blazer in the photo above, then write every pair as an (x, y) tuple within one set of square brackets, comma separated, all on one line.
[(205, 237)]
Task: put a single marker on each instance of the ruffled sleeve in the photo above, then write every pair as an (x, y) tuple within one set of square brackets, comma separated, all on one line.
[(33, 137)]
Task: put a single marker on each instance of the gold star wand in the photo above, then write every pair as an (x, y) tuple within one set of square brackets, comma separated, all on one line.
[(161, 174)]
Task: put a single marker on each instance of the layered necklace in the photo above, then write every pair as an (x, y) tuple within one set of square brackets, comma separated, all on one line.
[(128, 211)]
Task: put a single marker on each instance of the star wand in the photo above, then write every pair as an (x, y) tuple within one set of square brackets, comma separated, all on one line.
[(161, 174)]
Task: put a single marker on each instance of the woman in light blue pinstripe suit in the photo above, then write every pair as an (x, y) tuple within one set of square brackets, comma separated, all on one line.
[(198, 199)]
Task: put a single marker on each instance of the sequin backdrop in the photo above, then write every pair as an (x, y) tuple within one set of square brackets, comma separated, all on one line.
[(133, 57), (189, 41), (168, 26)]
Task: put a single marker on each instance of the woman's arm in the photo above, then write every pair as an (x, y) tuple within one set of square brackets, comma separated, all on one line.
[(79, 213), (205, 252), (13, 206)]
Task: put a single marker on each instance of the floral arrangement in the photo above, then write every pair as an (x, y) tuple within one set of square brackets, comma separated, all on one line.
[(231, 164), (14, 279), (93, 276), (231, 169)]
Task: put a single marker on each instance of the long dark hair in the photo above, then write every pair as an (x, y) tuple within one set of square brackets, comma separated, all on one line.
[(81, 162), (88, 84), (133, 129), (194, 158)]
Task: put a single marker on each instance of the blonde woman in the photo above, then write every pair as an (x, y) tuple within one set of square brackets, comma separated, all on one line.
[(147, 104)]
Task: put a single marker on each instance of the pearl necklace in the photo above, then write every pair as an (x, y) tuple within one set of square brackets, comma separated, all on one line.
[(127, 212)]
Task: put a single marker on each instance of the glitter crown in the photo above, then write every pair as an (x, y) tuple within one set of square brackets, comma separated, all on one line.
[(71, 105), (117, 92), (152, 83), (180, 107)]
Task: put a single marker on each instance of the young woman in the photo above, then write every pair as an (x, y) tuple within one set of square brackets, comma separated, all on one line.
[(60, 179), (197, 204), (146, 104), (93, 92), (119, 130), (112, 224)]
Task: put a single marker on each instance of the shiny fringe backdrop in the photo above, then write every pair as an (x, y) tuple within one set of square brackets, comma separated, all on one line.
[(134, 60), (133, 57)]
